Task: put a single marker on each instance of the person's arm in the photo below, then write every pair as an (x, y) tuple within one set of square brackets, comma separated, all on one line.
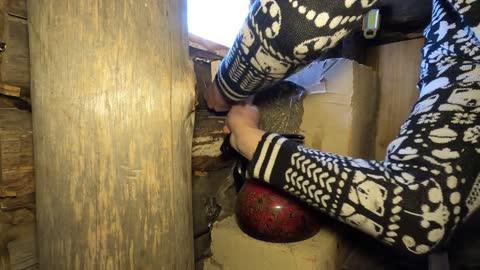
[(451, 53), (429, 182), (469, 12), (276, 38)]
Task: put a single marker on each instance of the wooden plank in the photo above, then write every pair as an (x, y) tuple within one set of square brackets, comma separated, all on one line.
[(7, 102), (203, 78), (203, 54), (15, 67), (397, 65), (16, 153), (207, 45), (9, 90), (113, 99), (207, 139), (17, 8), (18, 202), (4, 260), (14, 219), (23, 254), (19, 240)]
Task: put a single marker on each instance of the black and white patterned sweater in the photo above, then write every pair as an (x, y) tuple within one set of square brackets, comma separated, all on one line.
[(429, 182)]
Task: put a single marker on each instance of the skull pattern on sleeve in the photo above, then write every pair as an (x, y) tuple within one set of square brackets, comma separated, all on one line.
[(429, 182), (278, 36)]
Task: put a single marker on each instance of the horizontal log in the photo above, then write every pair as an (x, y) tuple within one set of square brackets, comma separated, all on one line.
[(17, 8), (207, 45), (18, 202), (10, 90), (203, 78), (207, 138), (23, 253), (15, 63), (16, 153)]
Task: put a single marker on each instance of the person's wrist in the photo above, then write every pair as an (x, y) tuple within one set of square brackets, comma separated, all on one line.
[(215, 99), (246, 140)]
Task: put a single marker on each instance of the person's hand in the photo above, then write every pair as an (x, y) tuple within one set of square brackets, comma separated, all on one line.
[(215, 100), (242, 125)]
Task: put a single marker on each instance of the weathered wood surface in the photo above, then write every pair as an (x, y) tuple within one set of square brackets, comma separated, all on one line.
[(209, 167), (17, 244), (4, 260), (10, 90), (13, 218), (16, 153), (7, 102), (208, 133), (113, 155), (203, 79), (207, 45), (23, 253), (207, 139), (398, 66), (17, 198), (199, 53), (20, 242), (17, 8), (15, 67)]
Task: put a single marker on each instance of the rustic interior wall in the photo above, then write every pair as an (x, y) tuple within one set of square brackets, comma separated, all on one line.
[(17, 197), (14, 61)]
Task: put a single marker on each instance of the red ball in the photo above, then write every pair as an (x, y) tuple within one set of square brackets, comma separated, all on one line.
[(270, 215)]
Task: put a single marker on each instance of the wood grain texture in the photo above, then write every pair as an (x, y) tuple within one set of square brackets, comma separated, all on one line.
[(17, 8), (22, 248), (16, 153), (207, 45), (9, 90), (113, 101), (398, 66), (15, 60), (207, 139)]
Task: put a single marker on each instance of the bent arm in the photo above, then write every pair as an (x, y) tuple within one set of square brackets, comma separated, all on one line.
[(429, 182), (278, 36)]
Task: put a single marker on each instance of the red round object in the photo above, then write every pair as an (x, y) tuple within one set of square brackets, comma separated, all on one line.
[(273, 216)]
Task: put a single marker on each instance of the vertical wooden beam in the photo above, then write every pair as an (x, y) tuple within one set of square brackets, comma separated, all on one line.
[(113, 97)]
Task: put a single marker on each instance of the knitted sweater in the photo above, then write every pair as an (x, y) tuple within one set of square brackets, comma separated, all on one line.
[(429, 182)]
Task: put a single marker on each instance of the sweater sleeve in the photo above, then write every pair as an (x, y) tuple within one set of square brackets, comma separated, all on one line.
[(469, 12), (451, 52), (429, 182), (278, 36)]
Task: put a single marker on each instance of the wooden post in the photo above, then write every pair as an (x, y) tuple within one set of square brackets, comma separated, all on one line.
[(113, 99)]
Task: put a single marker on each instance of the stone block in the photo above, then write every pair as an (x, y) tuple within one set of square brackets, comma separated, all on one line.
[(234, 250)]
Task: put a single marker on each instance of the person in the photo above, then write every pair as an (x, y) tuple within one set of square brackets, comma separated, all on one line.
[(429, 182)]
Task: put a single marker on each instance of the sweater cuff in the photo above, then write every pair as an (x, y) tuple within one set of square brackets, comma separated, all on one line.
[(266, 158), (229, 90)]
